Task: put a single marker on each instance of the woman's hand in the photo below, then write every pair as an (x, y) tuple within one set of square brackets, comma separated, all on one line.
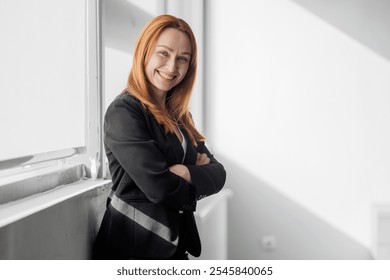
[(182, 171), (202, 159)]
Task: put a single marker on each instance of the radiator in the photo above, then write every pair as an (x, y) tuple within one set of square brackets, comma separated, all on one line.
[(381, 232), (212, 218)]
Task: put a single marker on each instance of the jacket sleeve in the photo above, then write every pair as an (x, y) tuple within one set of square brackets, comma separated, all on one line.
[(208, 179), (128, 138)]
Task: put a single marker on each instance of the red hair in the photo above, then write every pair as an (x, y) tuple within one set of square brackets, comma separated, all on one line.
[(178, 98)]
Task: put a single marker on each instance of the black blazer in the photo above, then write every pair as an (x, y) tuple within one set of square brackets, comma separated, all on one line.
[(149, 208)]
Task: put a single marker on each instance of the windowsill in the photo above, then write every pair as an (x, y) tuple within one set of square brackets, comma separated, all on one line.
[(20, 209), (39, 179), (34, 171)]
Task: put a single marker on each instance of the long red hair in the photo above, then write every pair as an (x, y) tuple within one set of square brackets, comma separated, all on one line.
[(178, 98)]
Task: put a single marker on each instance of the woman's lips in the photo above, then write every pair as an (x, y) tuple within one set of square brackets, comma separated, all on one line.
[(166, 76)]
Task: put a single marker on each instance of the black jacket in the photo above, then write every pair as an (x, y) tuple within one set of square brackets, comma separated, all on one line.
[(148, 204)]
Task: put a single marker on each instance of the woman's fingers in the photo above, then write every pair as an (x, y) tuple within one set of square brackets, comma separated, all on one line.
[(202, 159), (197, 157)]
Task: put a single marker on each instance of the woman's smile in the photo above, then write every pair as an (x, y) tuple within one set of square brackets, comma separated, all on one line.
[(165, 75)]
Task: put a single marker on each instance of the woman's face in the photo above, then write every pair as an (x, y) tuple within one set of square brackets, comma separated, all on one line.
[(169, 61)]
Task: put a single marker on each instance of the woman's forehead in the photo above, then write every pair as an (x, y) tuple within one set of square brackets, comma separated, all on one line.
[(175, 40)]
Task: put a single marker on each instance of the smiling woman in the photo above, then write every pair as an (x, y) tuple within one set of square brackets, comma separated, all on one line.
[(158, 160), (163, 47)]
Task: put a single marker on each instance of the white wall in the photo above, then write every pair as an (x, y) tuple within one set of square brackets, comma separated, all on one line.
[(299, 112)]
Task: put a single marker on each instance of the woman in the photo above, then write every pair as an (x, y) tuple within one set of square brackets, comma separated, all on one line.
[(159, 164)]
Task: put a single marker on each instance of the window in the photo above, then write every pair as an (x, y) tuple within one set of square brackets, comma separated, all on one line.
[(50, 93)]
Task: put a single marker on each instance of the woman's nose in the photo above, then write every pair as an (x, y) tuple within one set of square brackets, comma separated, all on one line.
[(171, 65)]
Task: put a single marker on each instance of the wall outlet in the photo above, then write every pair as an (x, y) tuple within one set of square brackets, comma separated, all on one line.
[(268, 243)]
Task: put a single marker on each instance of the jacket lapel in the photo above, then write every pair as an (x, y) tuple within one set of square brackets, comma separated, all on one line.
[(176, 147)]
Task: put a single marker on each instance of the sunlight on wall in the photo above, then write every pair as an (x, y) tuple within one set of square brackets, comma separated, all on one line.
[(302, 105)]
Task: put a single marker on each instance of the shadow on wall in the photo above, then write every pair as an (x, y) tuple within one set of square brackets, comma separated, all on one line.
[(123, 24), (367, 21), (257, 210)]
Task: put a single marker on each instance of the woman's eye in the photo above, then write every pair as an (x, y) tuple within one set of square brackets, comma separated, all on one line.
[(163, 53), (183, 59)]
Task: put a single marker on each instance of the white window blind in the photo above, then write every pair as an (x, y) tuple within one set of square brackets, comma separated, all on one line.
[(43, 76)]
